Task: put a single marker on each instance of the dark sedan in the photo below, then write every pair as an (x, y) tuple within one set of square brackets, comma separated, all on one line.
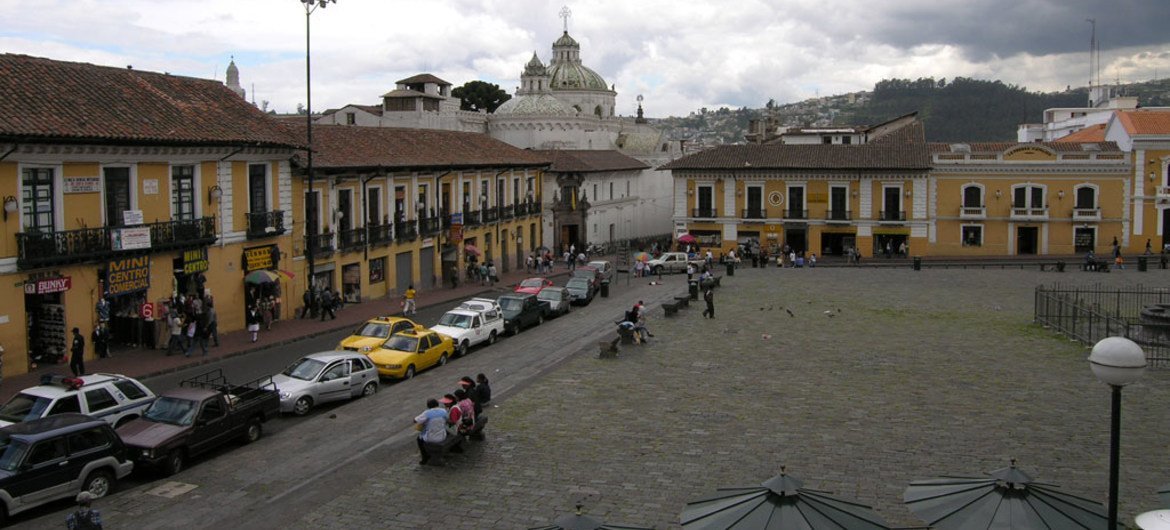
[(581, 290)]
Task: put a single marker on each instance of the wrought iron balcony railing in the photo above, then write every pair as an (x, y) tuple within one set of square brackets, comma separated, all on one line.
[(48, 248), (892, 215), (755, 213), (319, 244), (795, 214), (703, 213), (265, 224), (838, 215), (472, 217), (428, 226), (353, 239), (381, 234), (405, 231), (491, 215)]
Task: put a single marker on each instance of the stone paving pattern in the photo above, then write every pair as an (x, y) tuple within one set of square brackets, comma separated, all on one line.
[(919, 374)]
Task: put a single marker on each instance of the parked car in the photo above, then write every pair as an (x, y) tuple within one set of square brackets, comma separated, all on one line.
[(605, 268), (204, 413), (468, 328), (323, 377), (407, 352), (115, 399), (590, 273), (533, 285), (46, 459), (557, 298), (375, 331), (580, 289), (521, 311)]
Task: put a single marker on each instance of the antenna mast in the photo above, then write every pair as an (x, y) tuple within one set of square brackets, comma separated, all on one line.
[(1092, 55)]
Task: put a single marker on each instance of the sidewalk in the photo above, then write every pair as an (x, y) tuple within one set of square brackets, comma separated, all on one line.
[(141, 363)]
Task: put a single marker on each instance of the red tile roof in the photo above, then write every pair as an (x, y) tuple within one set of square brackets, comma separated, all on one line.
[(1094, 133), (356, 148), (42, 100), (1145, 121), (590, 161), (819, 156)]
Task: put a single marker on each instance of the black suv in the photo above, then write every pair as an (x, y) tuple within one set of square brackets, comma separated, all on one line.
[(521, 310), (57, 457)]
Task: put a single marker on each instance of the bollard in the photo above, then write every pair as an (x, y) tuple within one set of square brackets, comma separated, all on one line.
[(917, 263), (605, 289), (730, 268), (1143, 263), (694, 289), (1060, 266)]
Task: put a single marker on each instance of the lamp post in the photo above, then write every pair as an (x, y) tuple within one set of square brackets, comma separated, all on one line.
[(1116, 361), (311, 220)]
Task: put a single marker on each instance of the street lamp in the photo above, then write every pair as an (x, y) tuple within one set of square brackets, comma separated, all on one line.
[(1116, 361), (311, 220)]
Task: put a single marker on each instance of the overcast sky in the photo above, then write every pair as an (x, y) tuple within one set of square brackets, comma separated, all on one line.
[(680, 55)]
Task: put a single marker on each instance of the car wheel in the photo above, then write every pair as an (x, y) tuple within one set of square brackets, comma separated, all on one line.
[(409, 372), (302, 406), (370, 389), (254, 432), (463, 347), (443, 360), (174, 463), (99, 483)]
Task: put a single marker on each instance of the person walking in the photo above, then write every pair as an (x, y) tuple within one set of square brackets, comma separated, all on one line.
[(327, 305), (85, 517), (252, 319), (408, 304), (200, 336), (709, 298), (493, 277), (690, 271), (175, 327), (212, 323), (101, 341), (432, 427), (308, 300), (77, 360)]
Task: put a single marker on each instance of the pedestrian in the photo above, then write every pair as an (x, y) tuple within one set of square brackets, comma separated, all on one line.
[(568, 256), (408, 303), (327, 305), (101, 340), (77, 361), (189, 333), (812, 260), (338, 300), (709, 259), (308, 300), (483, 273), (432, 427), (690, 271), (1149, 248), (528, 264), (493, 278), (200, 335), (709, 298), (212, 322), (85, 517), (175, 327), (252, 319)]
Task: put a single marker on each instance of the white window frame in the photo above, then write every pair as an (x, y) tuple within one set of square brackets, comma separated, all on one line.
[(268, 185), (196, 187), (1096, 233), (714, 201), (366, 211), (59, 193), (963, 240), (829, 202)]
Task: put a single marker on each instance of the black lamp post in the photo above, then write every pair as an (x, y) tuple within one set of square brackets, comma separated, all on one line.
[(310, 220), (1116, 361)]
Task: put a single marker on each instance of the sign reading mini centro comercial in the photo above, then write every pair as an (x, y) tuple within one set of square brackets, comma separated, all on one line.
[(195, 260), (128, 275)]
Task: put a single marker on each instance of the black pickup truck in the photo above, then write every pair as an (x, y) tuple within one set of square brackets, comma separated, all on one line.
[(521, 311), (204, 413)]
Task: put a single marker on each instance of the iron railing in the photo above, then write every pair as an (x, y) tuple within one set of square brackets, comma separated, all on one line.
[(381, 234), (1091, 313), (491, 215), (703, 213), (43, 249), (428, 226), (322, 244), (405, 231), (507, 212), (892, 215), (838, 215), (353, 239), (265, 224), (754, 213), (795, 214), (472, 217)]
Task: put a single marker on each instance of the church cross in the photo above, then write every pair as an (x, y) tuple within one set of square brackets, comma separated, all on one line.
[(565, 14)]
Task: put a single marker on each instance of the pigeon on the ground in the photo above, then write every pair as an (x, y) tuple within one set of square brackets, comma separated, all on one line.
[(790, 312)]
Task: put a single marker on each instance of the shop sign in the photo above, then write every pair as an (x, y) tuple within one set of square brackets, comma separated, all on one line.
[(48, 285), (150, 187), (132, 217), (457, 218), (456, 233), (259, 258), (82, 185), (195, 260), (130, 238), (128, 275), (146, 311)]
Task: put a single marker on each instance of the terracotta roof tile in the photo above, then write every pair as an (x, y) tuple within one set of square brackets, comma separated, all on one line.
[(1145, 121), (46, 100), (590, 161), (819, 156), (348, 147), (1094, 133)]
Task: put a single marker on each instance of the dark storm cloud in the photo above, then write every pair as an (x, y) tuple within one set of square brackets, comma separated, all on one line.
[(1002, 28)]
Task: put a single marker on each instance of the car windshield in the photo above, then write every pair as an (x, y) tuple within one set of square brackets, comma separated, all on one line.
[(455, 320), (11, 453), (402, 343), (532, 282), (305, 369), (174, 411), (549, 294), (374, 329), (511, 304), (599, 265), (24, 407)]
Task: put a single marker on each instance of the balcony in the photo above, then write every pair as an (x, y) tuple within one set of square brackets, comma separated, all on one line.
[(381, 234), (405, 231), (472, 217), (1029, 214), (445, 220), (44, 249), (754, 213), (320, 244), (703, 213), (429, 226), (507, 212), (972, 212), (490, 215), (349, 240), (265, 224), (796, 215), (1163, 191), (1086, 214), (892, 216), (840, 216), (527, 208)]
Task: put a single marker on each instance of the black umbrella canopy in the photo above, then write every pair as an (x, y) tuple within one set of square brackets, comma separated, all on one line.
[(1006, 499), (780, 503), (578, 521)]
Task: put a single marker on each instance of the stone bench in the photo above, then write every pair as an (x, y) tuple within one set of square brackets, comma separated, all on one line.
[(671, 308), (683, 301)]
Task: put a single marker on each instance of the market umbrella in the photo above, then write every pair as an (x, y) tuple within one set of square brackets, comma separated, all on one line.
[(579, 521), (471, 249), (262, 276), (1008, 499), (781, 503), (641, 256), (1155, 520), (687, 239)]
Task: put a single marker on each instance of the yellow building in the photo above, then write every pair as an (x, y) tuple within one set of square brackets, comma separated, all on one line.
[(401, 207), (125, 188), (1145, 134), (1052, 198)]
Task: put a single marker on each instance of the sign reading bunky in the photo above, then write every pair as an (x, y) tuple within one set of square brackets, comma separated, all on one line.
[(128, 275), (48, 285)]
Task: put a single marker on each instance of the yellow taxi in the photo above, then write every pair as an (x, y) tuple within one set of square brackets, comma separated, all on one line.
[(407, 352), (372, 333)]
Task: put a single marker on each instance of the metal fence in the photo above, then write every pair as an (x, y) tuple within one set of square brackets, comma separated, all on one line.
[(1091, 313)]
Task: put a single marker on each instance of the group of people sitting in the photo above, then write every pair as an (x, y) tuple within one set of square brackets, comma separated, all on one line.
[(634, 322), (459, 413)]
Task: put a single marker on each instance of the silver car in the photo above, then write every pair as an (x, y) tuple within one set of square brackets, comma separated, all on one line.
[(323, 377), (558, 300)]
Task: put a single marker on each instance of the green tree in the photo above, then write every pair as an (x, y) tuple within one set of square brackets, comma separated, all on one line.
[(480, 95)]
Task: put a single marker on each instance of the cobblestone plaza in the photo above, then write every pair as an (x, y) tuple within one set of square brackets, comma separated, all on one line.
[(880, 377)]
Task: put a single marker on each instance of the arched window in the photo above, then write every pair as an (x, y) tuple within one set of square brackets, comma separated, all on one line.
[(1086, 197), (972, 196)]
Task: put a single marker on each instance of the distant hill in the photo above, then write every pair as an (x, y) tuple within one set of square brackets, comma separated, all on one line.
[(959, 110)]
